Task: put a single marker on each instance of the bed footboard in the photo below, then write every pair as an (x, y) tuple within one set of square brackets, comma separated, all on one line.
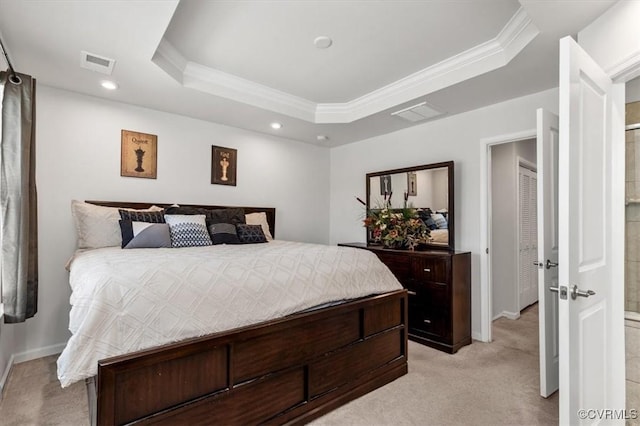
[(289, 370)]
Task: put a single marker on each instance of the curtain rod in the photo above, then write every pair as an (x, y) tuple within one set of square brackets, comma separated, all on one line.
[(14, 77)]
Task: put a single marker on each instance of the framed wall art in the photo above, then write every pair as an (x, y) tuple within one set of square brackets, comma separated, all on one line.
[(139, 155), (224, 164), (385, 185), (412, 184)]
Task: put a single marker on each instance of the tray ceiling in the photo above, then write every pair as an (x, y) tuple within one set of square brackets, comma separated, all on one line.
[(247, 64)]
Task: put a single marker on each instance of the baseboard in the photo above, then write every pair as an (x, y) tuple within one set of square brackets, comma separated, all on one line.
[(38, 353), (5, 375), (27, 356), (476, 335), (508, 315)]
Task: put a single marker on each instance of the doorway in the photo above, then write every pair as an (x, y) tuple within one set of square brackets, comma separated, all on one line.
[(513, 277)]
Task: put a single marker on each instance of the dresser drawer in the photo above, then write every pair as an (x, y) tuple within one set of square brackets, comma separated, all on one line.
[(427, 320), (399, 264), (433, 294), (431, 269)]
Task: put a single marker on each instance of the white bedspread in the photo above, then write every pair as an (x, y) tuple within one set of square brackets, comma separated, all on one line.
[(126, 300)]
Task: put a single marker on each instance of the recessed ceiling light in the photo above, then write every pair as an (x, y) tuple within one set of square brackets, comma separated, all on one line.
[(109, 85), (323, 138), (322, 42), (276, 126)]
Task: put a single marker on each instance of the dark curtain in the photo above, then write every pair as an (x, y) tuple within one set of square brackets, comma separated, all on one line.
[(18, 200)]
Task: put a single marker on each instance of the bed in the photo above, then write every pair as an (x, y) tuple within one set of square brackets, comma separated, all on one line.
[(439, 236), (299, 363)]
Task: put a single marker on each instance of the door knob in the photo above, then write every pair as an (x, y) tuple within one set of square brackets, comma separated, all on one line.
[(562, 290), (575, 292), (551, 264)]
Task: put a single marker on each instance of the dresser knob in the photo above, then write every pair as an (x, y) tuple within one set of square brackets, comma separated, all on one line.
[(427, 270), (427, 321)]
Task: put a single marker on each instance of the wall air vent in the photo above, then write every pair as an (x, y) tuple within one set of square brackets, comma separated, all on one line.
[(97, 63), (419, 112)]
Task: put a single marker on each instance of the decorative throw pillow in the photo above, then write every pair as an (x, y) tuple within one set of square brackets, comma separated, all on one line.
[(223, 233), (440, 221), (233, 215), (259, 219), (431, 224), (177, 209), (188, 230), (144, 234), (97, 226), (249, 234), (138, 216), (444, 212)]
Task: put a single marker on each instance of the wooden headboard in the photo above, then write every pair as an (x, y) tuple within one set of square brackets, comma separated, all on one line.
[(270, 211)]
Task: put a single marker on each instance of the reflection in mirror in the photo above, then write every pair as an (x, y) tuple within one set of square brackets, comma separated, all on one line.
[(428, 188)]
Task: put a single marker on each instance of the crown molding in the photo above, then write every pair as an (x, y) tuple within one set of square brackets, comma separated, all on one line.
[(215, 82), (229, 86), (626, 69), (170, 60), (485, 57)]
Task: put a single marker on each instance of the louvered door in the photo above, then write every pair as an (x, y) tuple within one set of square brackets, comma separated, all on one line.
[(527, 237)]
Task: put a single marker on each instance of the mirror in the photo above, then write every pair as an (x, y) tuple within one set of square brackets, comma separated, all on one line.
[(428, 188)]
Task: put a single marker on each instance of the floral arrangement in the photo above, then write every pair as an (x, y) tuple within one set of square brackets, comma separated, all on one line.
[(396, 228)]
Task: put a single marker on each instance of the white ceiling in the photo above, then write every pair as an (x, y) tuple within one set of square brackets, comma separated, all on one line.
[(374, 44), (249, 63)]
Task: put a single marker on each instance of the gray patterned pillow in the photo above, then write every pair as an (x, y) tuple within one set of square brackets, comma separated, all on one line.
[(249, 234), (188, 230)]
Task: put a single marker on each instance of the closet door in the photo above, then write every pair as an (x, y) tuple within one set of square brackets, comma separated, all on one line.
[(527, 237)]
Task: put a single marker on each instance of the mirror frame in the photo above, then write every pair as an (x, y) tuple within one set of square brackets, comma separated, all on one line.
[(451, 211)]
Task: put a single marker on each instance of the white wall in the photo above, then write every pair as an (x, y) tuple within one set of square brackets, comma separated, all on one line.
[(440, 189), (7, 346), (632, 90), (78, 157), (454, 138), (613, 39), (504, 228)]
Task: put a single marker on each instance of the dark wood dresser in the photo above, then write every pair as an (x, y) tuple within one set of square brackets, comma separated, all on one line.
[(439, 287)]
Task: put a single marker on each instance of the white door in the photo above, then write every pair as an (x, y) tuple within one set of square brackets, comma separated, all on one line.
[(588, 340), (547, 161), (527, 237)]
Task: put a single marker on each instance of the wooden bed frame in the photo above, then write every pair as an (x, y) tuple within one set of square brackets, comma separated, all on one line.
[(285, 371)]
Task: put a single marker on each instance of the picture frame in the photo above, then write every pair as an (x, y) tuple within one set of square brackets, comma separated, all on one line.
[(412, 184), (138, 155), (224, 165), (385, 185)]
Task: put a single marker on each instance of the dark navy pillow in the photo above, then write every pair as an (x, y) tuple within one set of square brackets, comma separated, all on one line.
[(250, 234), (137, 216), (223, 233)]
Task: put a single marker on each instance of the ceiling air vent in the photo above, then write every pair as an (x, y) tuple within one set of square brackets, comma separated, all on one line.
[(97, 63), (419, 112)]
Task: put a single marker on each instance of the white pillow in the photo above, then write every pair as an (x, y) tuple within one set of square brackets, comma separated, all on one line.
[(440, 220), (98, 226), (259, 219)]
